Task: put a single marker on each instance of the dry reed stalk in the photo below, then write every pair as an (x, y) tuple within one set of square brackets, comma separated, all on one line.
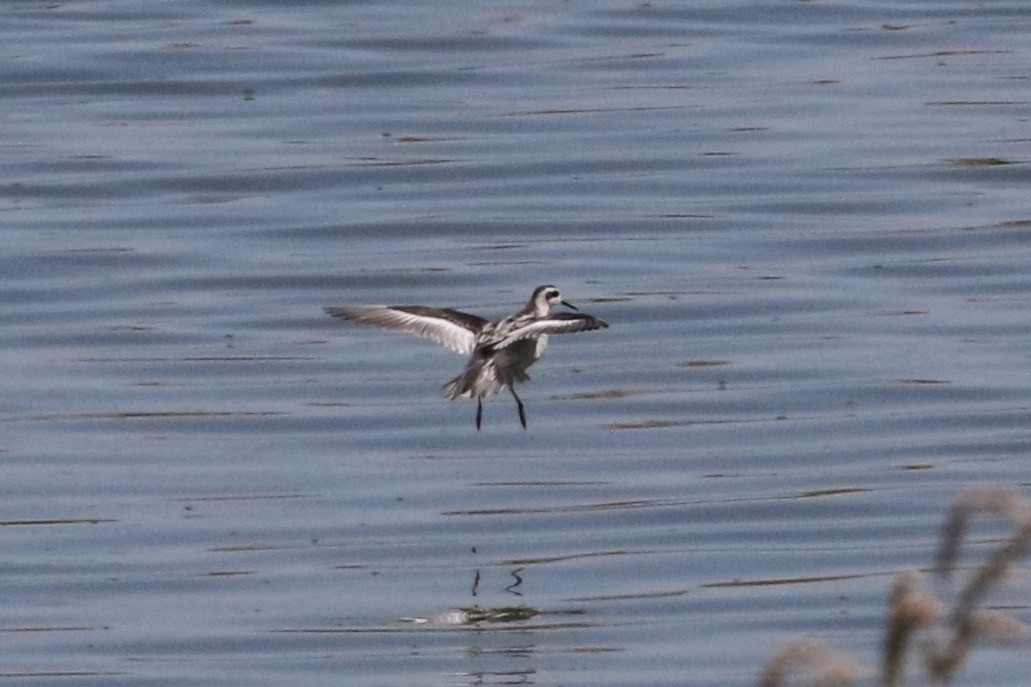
[(1000, 627), (810, 660), (968, 624), (915, 614), (993, 501), (910, 609)]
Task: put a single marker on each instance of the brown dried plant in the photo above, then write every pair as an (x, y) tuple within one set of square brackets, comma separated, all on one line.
[(917, 618), (810, 660), (909, 609), (946, 653)]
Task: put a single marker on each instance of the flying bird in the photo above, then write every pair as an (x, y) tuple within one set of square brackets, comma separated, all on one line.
[(500, 352)]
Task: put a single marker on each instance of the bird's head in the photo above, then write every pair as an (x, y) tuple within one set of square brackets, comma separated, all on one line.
[(546, 296)]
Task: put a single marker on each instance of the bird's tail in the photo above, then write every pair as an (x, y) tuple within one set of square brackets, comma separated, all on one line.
[(481, 378)]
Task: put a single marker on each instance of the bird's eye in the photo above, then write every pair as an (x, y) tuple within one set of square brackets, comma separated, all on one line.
[(551, 294)]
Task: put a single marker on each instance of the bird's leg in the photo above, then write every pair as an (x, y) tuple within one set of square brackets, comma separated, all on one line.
[(522, 410), (479, 412)]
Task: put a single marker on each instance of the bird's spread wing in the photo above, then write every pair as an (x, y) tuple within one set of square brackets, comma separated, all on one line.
[(559, 323), (456, 330)]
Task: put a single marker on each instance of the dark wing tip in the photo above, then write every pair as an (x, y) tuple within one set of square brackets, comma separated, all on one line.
[(588, 321), (338, 312)]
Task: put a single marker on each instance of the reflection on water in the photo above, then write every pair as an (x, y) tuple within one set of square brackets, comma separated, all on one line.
[(805, 222)]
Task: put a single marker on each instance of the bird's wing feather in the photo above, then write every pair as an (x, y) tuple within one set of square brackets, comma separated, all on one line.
[(559, 323), (456, 330)]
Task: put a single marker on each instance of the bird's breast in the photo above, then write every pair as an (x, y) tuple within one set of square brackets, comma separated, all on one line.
[(542, 343)]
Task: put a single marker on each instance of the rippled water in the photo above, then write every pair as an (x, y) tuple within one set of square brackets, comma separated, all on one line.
[(807, 223)]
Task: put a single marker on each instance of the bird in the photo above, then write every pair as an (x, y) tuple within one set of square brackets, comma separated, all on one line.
[(499, 352)]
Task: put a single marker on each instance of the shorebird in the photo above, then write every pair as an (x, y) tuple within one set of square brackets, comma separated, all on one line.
[(500, 351)]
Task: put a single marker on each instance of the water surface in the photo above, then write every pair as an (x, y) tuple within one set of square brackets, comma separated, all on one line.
[(806, 222)]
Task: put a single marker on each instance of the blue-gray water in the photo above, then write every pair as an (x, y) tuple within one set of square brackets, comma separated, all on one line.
[(808, 224)]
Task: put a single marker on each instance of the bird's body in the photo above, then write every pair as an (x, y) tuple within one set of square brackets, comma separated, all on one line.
[(500, 352)]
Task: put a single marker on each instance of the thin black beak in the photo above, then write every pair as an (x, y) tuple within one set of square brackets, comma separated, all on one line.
[(571, 307)]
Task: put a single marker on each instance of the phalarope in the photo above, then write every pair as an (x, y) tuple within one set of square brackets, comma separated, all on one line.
[(501, 351)]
